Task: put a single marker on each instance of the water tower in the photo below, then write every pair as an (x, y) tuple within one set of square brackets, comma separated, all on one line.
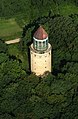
[(40, 53)]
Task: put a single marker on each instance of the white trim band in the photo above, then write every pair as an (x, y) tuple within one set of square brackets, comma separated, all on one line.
[(40, 40)]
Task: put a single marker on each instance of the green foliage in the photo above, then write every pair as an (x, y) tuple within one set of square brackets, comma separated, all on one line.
[(24, 95), (9, 29), (23, 12), (3, 47), (3, 57)]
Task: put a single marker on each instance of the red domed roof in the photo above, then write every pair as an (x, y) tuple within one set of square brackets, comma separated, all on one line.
[(40, 34)]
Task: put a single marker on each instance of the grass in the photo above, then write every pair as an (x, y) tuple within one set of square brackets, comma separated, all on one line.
[(9, 28)]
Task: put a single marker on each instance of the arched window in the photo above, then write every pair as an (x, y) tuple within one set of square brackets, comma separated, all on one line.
[(43, 44), (39, 45)]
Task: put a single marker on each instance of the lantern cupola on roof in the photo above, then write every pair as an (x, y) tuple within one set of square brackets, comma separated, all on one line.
[(40, 37)]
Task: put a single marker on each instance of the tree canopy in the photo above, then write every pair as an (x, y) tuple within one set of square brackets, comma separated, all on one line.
[(24, 95)]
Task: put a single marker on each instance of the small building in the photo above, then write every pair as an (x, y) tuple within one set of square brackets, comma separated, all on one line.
[(40, 53)]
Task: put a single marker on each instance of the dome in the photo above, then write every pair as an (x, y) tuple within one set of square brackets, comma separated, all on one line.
[(40, 41), (40, 34)]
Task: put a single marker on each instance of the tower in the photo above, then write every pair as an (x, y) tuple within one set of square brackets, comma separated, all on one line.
[(40, 53)]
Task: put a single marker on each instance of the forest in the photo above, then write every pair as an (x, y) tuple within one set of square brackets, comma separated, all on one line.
[(23, 95)]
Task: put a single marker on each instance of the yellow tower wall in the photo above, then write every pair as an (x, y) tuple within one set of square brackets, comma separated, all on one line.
[(40, 63)]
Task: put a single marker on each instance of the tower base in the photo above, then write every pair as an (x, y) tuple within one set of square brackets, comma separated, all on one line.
[(40, 61)]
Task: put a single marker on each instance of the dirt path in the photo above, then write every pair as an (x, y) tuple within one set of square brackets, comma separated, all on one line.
[(13, 41)]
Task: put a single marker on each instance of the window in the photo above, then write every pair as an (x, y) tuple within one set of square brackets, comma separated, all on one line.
[(35, 44), (43, 43), (46, 42), (39, 44), (31, 52), (39, 56)]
